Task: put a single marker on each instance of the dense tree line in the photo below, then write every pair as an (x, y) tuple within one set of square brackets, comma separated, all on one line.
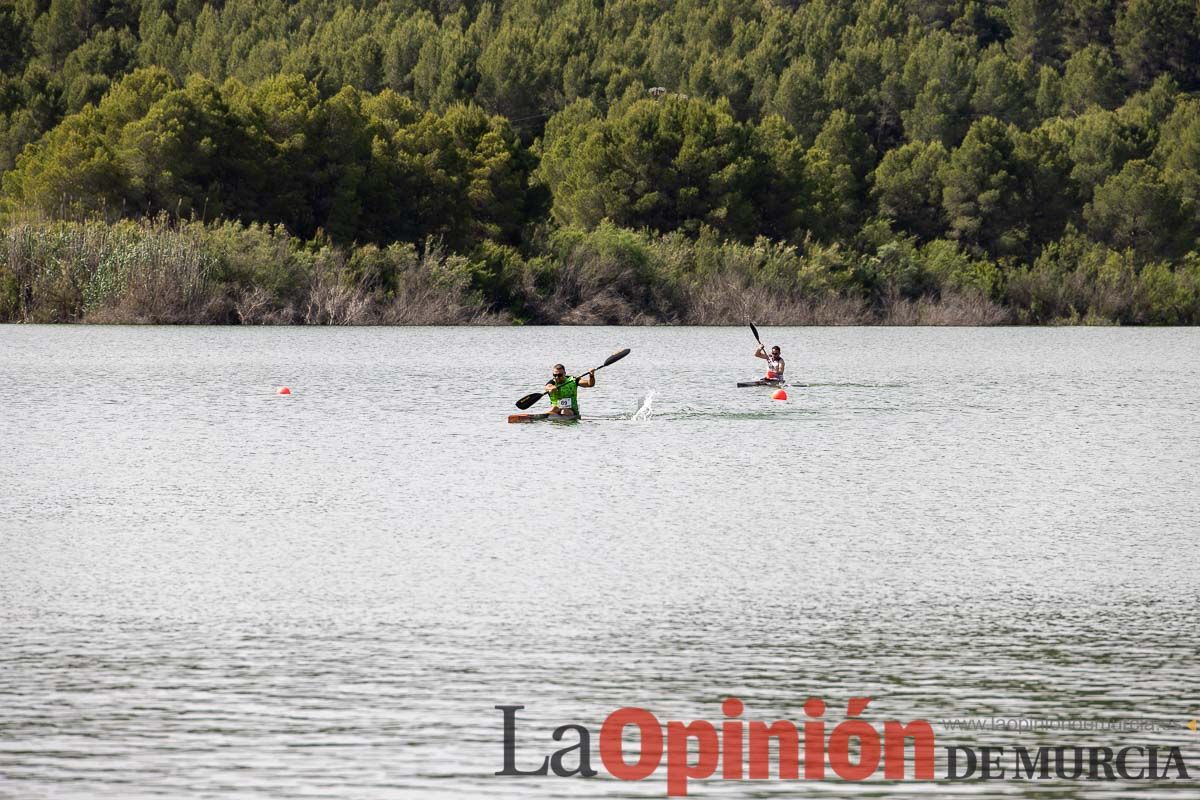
[(1006, 148), (353, 165)]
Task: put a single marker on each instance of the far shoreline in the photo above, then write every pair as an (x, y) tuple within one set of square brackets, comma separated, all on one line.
[(166, 271)]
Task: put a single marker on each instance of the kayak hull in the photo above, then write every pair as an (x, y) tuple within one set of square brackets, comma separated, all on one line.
[(521, 418), (761, 382)]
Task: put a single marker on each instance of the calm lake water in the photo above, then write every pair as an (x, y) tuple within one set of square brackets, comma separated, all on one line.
[(209, 590)]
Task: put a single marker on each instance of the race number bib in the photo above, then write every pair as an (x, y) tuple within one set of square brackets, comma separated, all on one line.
[(565, 403)]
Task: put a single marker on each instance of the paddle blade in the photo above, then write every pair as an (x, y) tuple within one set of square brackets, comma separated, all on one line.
[(754, 330), (528, 400), (615, 357)]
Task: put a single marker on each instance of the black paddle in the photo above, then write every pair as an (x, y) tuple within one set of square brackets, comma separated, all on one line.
[(754, 330), (529, 399)]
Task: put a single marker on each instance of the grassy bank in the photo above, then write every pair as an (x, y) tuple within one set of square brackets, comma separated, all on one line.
[(162, 271)]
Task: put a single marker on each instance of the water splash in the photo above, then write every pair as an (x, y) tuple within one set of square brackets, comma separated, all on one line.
[(645, 411)]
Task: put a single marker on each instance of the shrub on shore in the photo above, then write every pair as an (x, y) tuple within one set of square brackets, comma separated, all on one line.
[(159, 270)]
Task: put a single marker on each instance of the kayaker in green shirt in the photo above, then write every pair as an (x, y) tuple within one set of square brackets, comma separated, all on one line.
[(563, 390)]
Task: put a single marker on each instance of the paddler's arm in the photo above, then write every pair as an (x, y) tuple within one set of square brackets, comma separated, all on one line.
[(588, 380), (761, 352)]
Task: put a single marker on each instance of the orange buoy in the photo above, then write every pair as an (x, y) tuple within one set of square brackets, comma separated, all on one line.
[(284, 390), (780, 394)]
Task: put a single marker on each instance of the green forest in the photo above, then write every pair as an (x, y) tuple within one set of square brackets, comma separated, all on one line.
[(584, 161)]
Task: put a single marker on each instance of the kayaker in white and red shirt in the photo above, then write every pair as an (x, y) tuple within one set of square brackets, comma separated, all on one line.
[(775, 363)]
